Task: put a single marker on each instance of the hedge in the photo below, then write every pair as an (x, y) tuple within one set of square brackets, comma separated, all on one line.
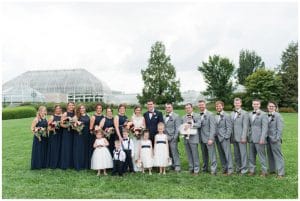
[(18, 112)]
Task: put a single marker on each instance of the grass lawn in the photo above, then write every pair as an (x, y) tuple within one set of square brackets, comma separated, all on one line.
[(18, 181)]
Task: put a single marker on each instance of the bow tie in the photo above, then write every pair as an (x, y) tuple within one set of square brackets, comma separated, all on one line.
[(218, 113), (236, 111), (270, 115), (201, 113), (167, 115), (125, 139), (253, 112)]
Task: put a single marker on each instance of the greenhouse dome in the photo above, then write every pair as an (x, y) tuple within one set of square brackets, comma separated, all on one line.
[(76, 85)]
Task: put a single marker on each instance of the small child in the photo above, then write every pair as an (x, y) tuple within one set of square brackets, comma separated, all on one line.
[(101, 158), (161, 149), (119, 157), (128, 148), (146, 152)]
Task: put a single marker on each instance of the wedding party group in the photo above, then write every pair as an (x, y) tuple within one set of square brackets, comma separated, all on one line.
[(75, 140)]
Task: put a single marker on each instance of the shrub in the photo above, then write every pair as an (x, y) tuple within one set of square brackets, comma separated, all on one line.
[(18, 112), (287, 110)]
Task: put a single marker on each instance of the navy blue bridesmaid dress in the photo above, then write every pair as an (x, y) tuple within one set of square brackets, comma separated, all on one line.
[(92, 137), (80, 145), (54, 146), (110, 123), (39, 148), (122, 120), (66, 154)]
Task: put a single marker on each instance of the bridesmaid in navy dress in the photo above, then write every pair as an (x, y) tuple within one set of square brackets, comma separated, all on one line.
[(81, 141), (108, 122), (66, 156), (120, 120), (54, 142), (39, 147), (95, 121)]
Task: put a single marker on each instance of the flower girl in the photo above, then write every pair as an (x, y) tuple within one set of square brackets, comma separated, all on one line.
[(101, 158), (146, 153), (161, 149)]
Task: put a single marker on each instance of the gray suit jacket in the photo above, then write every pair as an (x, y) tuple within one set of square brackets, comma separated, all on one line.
[(172, 126), (223, 127), (197, 125), (258, 128), (207, 129), (275, 127), (240, 126)]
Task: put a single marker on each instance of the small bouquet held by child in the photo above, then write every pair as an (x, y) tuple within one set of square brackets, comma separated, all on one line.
[(39, 132)]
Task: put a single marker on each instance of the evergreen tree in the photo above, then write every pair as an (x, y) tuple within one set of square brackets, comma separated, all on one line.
[(159, 78)]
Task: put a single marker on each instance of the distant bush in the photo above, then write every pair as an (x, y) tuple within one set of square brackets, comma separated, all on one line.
[(287, 110), (18, 112)]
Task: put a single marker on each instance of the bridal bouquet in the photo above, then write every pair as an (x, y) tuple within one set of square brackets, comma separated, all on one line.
[(78, 126), (39, 132), (108, 132), (53, 126)]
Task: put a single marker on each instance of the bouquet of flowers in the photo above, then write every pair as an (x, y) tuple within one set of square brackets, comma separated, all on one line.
[(108, 132), (138, 163), (53, 126), (68, 122), (40, 131), (128, 125), (78, 126)]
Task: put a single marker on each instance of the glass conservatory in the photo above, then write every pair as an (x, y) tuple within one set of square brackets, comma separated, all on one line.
[(76, 85)]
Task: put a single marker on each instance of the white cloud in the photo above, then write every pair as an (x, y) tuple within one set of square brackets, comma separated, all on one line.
[(113, 40)]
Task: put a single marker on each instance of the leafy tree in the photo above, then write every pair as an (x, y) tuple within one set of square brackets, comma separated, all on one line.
[(159, 77), (264, 85), (249, 62), (217, 74), (289, 75)]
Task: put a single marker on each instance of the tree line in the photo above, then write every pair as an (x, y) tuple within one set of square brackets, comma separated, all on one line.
[(279, 83)]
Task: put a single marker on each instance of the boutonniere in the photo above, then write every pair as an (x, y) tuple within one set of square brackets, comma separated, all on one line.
[(257, 113), (170, 118), (204, 116), (221, 116), (272, 116), (154, 113)]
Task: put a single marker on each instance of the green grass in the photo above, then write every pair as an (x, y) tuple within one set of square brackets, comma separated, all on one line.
[(19, 181)]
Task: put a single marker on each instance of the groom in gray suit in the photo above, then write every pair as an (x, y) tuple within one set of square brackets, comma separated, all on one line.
[(222, 137), (240, 126), (257, 138), (172, 122), (191, 143), (274, 139), (207, 137)]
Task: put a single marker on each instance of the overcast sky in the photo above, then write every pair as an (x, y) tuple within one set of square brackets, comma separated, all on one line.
[(113, 40)]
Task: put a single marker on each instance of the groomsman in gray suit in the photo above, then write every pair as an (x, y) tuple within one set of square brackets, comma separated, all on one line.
[(172, 122), (257, 138), (222, 138), (191, 142), (207, 138), (240, 126), (274, 139)]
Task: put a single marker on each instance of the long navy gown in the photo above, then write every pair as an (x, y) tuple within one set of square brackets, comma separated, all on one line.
[(80, 145), (122, 120), (92, 137), (39, 148), (54, 146), (110, 123), (66, 154)]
